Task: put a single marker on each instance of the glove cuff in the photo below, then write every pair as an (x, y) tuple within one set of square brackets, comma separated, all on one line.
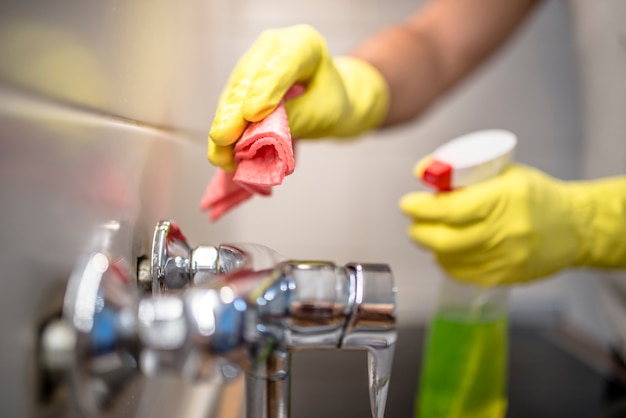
[(368, 94), (599, 214)]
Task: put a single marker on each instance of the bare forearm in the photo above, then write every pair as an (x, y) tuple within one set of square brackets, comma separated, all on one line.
[(424, 56), (408, 62)]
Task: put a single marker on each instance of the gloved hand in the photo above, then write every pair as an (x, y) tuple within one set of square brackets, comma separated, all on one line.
[(521, 226), (344, 96)]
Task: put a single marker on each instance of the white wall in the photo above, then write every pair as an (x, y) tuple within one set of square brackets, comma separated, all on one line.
[(341, 202)]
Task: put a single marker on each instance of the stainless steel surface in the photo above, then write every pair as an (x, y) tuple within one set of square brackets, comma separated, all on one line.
[(139, 60), (67, 174), (251, 317), (99, 121)]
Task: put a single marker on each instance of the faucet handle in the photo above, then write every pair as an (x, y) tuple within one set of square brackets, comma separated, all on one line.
[(170, 258), (175, 265), (372, 326)]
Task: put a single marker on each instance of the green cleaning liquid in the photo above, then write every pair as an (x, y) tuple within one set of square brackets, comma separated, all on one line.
[(464, 365)]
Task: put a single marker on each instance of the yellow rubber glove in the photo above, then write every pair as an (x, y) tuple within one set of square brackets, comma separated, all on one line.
[(344, 96), (521, 226)]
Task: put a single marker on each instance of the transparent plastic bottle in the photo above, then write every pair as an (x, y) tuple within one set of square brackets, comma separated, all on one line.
[(464, 365)]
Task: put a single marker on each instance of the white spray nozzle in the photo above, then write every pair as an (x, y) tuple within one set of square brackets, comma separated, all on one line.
[(470, 159)]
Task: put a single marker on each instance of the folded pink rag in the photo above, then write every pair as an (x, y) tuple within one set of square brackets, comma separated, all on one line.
[(264, 156)]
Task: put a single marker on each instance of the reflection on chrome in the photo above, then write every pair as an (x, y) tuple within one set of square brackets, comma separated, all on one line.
[(87, 292), (200, 304)]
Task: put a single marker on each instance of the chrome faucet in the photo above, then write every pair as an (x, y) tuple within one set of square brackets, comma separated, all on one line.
[(218, 310)]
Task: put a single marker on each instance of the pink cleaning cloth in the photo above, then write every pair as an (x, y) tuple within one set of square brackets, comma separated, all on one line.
[(264, 156)]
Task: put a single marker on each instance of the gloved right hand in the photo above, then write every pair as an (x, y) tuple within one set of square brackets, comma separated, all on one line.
[(344, 96), (521, 226)]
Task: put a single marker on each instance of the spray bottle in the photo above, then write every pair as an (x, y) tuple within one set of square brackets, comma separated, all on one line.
[(464, 367)]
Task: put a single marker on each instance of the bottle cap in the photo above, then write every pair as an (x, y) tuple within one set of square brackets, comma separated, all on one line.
[(470, 159)]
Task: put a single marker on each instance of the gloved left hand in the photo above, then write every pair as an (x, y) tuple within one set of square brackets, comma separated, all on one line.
[(521, 226), (344, 96)]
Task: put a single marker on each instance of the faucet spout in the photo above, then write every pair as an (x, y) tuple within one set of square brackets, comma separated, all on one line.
[(379, 362), (372, 326)]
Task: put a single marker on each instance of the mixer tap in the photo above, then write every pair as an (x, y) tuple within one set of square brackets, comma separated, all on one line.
[(216, 311)]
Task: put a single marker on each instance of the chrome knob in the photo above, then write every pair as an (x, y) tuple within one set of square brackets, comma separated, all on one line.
[(170, 258), (175, 265)]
